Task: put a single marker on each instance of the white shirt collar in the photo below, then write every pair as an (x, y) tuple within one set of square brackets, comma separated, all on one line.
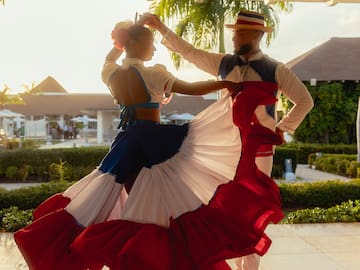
[(132, 61)]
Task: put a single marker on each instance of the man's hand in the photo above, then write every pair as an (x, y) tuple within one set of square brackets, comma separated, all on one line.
[(153, 21)]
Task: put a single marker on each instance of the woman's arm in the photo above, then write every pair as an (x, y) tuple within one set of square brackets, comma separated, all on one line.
[(113, 55), (204, 87), (206, 61)]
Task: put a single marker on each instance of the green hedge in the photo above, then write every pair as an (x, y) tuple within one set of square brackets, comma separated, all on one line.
[(13, 218), (294, 196), (304, 150), (319, 194), (340, 164), (30, 197), (16, 205), (34, 165), (345, 212)]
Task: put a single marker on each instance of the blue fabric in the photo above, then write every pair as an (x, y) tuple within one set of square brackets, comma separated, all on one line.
[(143, 82), (143, 144), (128, 113), (264, 67)]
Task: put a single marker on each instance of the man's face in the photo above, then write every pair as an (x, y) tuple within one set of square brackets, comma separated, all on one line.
[(244, 40)]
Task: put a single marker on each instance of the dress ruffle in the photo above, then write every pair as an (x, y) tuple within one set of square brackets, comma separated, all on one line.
[(191, 211)]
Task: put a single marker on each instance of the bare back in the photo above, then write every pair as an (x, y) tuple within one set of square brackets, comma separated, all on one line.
[(128, 89)]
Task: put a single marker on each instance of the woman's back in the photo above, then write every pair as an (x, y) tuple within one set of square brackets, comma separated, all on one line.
[(129, 89)]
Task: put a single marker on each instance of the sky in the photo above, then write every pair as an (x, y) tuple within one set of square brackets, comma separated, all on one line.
[(69, 40)]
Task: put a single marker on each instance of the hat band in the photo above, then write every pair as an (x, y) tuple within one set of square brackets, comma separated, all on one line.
[(248, 23)]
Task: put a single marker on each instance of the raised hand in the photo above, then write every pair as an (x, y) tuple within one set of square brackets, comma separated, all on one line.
[(153, 21)]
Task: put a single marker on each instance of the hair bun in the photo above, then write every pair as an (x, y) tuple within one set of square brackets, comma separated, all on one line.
[(120, 33)]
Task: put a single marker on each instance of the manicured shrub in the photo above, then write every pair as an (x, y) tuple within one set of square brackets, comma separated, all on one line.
[(353, 169), (319, 194), (340, 164), (11, 172), (348, 211), (39, 162), (13, 218), (305, 149), (30, 197)]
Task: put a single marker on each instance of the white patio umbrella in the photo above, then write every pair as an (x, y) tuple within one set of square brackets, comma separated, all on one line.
[(183, 116), (9, 114), (84, 119)]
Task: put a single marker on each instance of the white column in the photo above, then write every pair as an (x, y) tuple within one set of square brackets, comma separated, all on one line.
[(61, 121), (100, 127)]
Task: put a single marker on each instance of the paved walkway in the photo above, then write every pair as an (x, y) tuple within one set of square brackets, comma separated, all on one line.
[(304, 173)]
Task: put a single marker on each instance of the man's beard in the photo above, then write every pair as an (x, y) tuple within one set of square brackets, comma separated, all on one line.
[(244, 49)]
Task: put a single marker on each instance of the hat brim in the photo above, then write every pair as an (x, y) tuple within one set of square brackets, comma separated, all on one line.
[(250, 27)]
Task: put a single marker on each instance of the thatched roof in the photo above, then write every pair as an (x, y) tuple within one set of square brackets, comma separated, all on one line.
[(49, 85), (335, 60), (74, 104), (67, 104), (186, 104)]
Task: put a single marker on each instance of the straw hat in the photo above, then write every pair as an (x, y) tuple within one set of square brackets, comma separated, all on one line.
[(250, 20)]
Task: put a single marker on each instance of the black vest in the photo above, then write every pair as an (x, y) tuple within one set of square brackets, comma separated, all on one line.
[(264, 67)]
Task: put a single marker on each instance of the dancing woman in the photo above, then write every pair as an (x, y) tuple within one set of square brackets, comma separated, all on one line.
[(190, 203), (142, 143)]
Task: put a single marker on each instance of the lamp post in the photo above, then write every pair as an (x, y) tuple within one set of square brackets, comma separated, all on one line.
[(358, 131)]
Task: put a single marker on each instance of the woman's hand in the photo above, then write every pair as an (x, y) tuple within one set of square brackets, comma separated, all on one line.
[(234, 88)]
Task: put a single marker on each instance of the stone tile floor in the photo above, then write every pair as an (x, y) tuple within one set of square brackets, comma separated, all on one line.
[(333, 246)]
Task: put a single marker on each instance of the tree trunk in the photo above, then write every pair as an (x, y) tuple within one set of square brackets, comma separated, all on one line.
[(221, 35)]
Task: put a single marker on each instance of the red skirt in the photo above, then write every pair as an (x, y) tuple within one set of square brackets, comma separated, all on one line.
[(192, 211)]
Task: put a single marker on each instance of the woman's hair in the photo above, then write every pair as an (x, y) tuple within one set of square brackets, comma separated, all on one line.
[(122, 36)]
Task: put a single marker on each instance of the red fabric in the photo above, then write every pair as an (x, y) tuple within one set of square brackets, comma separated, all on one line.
[(263, 150), (231, 225), (45, 242), (55, 202)]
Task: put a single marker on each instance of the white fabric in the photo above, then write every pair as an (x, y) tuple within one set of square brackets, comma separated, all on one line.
[(94, 197), (157, 79), (207, 158)]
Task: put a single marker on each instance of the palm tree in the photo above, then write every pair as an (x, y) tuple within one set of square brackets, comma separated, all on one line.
[(6, 98), (28, 87), (202, 21)]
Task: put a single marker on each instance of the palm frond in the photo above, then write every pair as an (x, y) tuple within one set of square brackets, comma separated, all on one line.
[(201, 22)]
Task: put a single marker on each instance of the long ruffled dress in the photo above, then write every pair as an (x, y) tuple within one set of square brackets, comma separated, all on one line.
[(204, 204)]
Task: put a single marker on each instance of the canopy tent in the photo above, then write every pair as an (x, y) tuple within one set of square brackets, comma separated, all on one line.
[(83, 119), (9, 114), (183, 116)]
